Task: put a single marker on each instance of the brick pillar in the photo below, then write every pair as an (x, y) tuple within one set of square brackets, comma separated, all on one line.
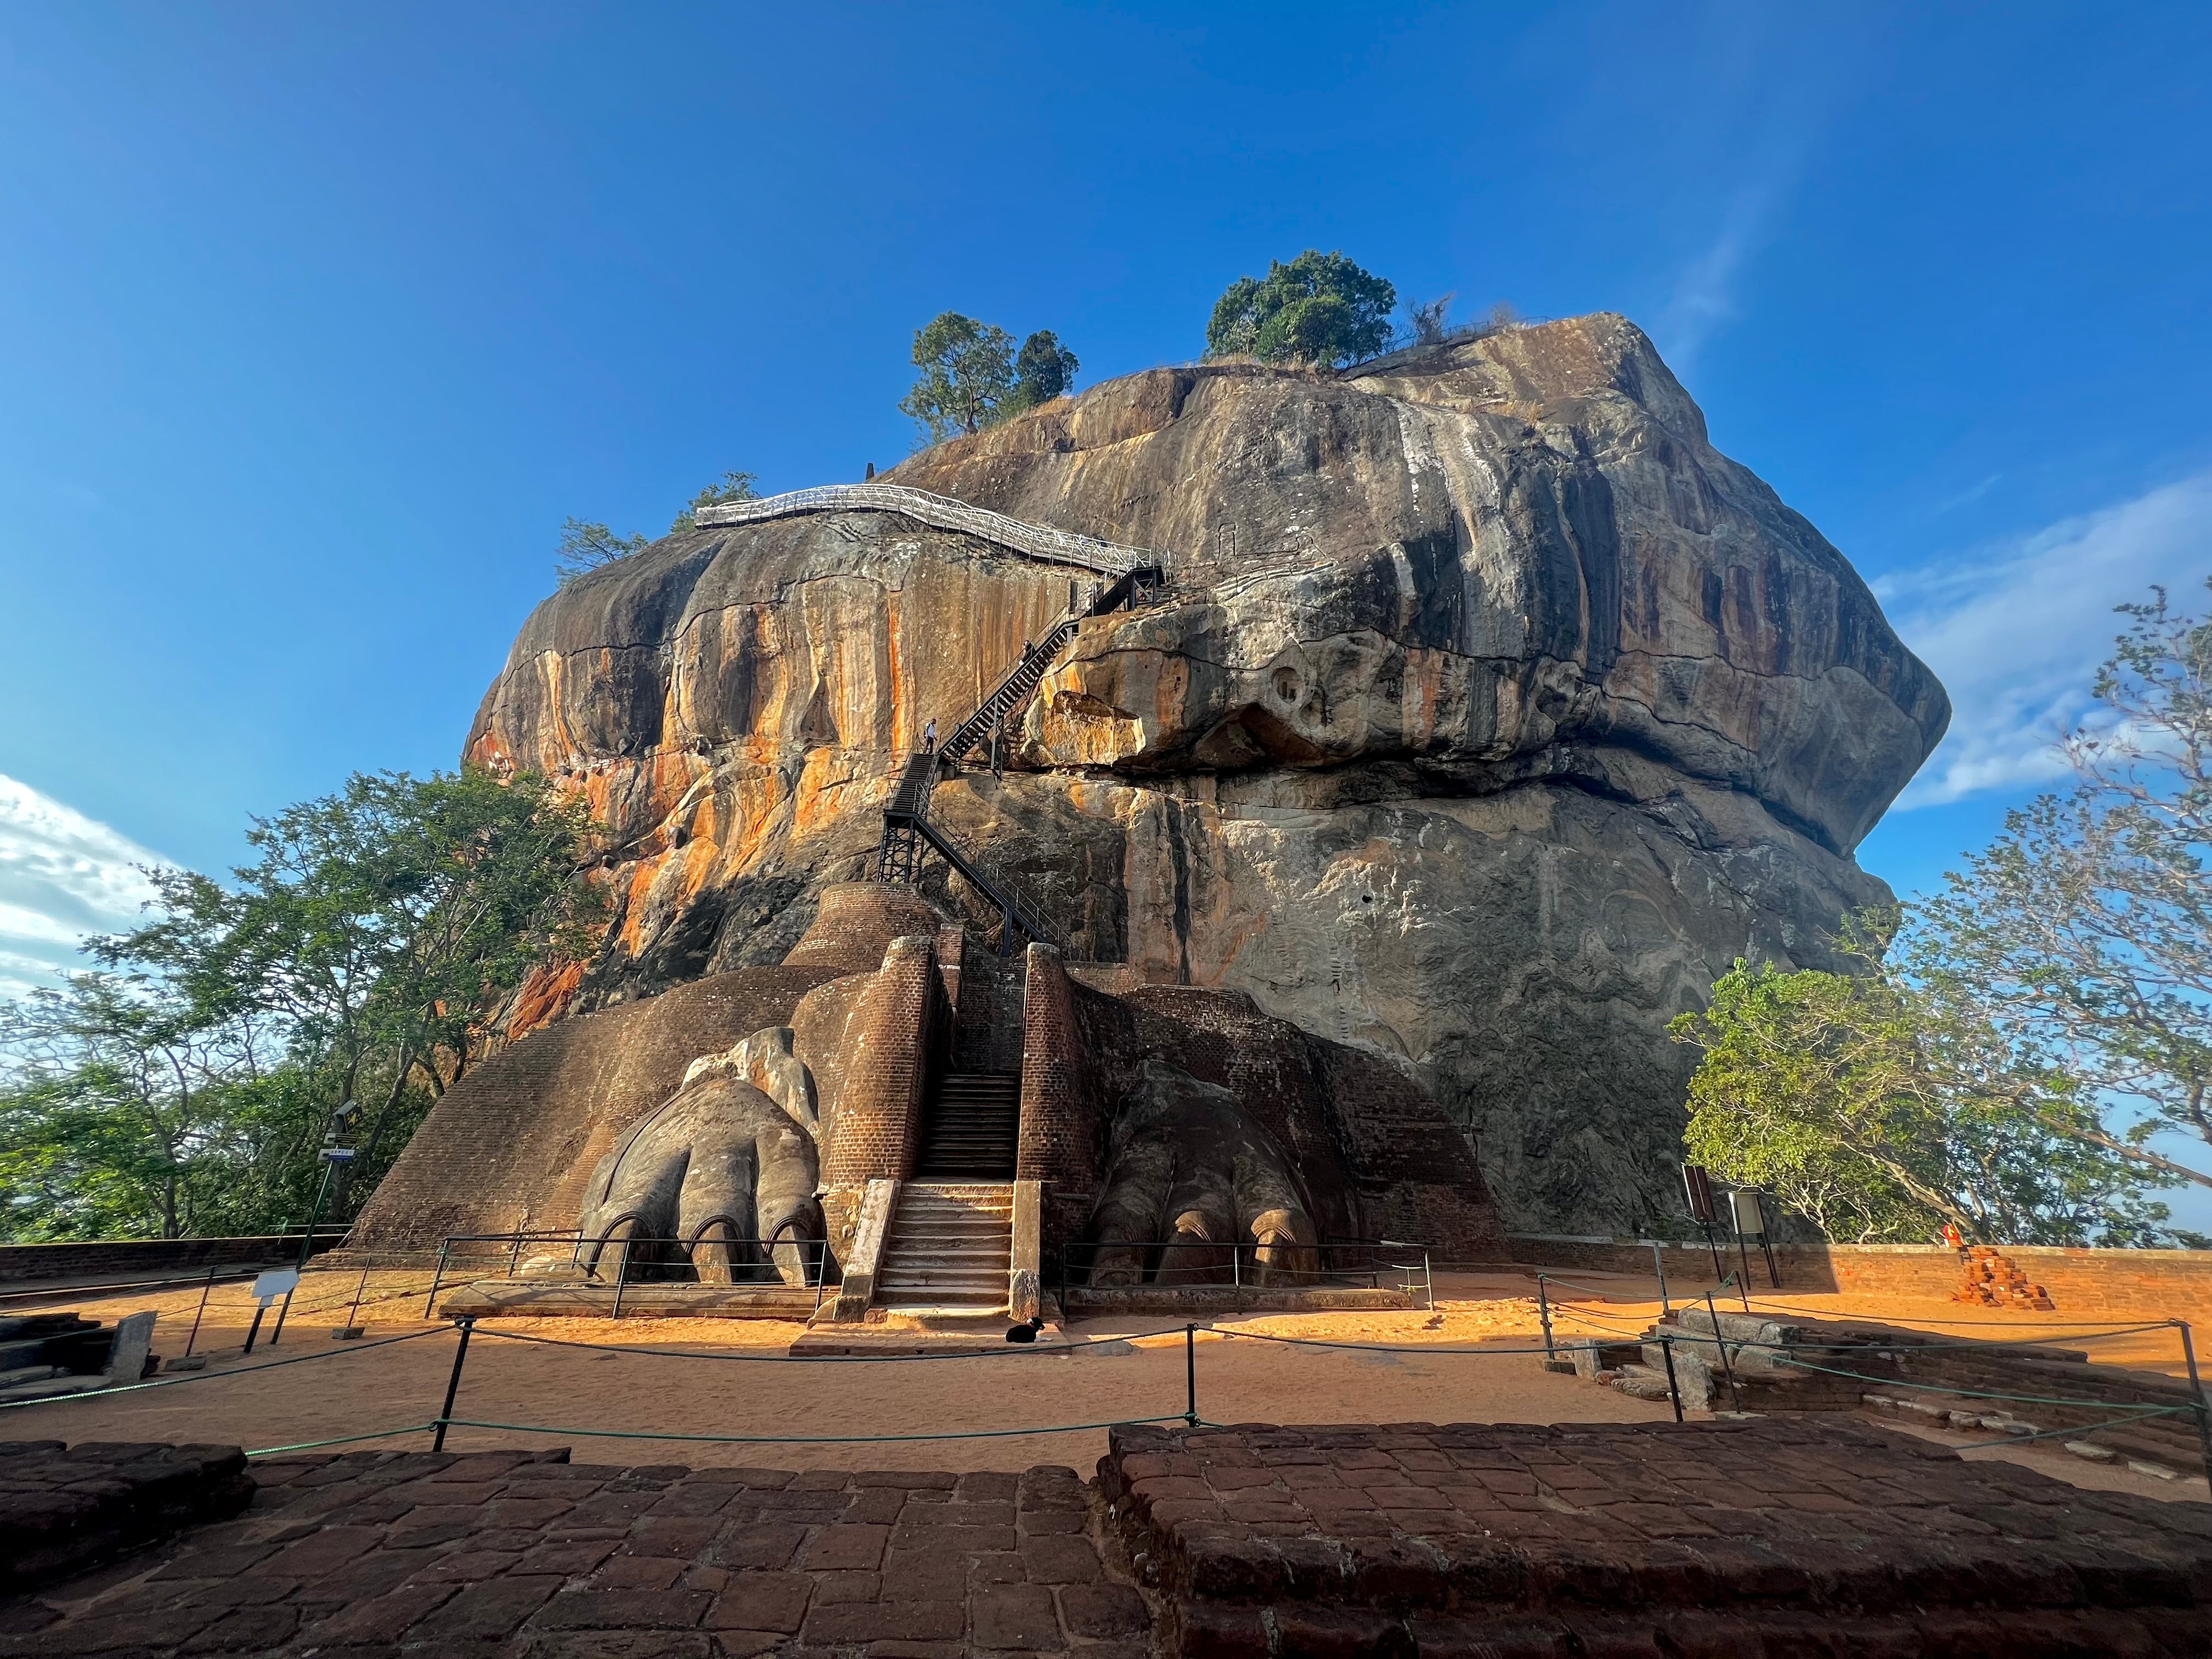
[(880, 1110), (1062, 1120)]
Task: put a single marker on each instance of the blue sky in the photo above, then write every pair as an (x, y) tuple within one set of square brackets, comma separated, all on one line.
[(315, 322)]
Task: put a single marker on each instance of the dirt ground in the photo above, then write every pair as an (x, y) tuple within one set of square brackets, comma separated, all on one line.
[(732, 1377)]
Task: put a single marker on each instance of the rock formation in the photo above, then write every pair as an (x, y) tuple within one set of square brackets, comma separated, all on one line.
[(1491, 715)]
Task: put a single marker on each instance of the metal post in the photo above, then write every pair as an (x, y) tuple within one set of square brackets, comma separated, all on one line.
[(1706, 1228), (1544, 1312), (1673, 1389), (438, 1278), (353, 1314), (1236, 1273), (2204, 1411), (622, 1273), (1743, 1285), (1727, 1369), (514, 1255), (1190, 1376), (1773, 1273), (277, 1335), (254, 1329), (454, 1383), (200, 1315), (1659, 1267), (307, 1238)]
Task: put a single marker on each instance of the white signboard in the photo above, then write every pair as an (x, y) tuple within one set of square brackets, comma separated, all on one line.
[(275, 1283)]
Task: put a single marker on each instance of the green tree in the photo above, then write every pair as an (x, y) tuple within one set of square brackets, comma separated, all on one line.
[(732, 487), (586, 547), (1879, 1111), (1044, 369), (967, 372), (2085, 927), (1319, 308), (355, 960)]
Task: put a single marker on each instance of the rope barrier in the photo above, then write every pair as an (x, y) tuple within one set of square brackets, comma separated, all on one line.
[(2085, 1428), (208, 1376), (345, 1439), (1010, 1350), (812, 1439), (1945, 1387)]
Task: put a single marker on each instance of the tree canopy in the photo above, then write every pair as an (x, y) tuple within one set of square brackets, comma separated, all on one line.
[(184, 1087), (1044, 369), (2003, 1053), (585, 547), (1319, 308), (967, 372), (732, 487)]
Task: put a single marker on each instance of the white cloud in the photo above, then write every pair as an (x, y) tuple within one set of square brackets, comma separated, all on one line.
[(1704, 299), (61, 876), (2016, 636)]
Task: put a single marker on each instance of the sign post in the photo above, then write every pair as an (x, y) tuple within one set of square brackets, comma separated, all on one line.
[(273, 1284), (1698, 1187)]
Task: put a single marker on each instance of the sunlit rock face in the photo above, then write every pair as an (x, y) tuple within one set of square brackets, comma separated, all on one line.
[(1493, 714)]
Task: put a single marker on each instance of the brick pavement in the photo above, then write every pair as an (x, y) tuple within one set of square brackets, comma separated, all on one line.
[(1802, 1536), (516, 1555)]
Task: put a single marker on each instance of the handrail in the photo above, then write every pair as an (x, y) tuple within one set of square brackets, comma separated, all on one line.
[(1016, 910), (1038, 541)]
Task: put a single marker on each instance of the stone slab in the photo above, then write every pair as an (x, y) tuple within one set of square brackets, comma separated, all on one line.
[(520, 1299)]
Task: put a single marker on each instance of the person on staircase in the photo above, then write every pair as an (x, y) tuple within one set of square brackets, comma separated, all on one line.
[(929, 738)]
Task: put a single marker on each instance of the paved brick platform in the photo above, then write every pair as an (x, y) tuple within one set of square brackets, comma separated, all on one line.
[(1803, 1536), (502, 1554)]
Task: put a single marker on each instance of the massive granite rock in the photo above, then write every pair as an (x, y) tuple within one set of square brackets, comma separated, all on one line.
[(1491, 715)]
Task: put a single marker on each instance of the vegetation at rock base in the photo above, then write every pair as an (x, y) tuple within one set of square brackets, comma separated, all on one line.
[(2004, 1051), (184, 1086), (1320, 309)]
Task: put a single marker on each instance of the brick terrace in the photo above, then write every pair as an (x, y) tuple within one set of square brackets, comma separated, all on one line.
[(505, 1553), (1735, 1538), (1759, 1537)]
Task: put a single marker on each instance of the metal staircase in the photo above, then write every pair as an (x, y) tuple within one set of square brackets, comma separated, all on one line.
[(907, 834)]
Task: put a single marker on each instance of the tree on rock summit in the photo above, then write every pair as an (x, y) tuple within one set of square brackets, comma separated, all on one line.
[(967, 374), (1319, 308), (1044, 369)]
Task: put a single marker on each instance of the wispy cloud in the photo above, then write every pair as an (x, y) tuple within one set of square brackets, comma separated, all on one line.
[(61, 876), (2015, 634), (1704, 300)]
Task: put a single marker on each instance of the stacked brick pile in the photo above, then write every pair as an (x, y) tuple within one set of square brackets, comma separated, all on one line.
[(1698, 1540), (1993, 1280)]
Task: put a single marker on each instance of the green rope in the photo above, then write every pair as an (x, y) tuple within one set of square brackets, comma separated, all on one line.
[(2087, 1428), (209, 1377), (1012, 1350), (811, 1439), (1939, 1388), (345, 1439)]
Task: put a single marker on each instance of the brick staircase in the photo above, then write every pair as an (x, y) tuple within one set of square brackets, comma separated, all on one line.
[(969, 1127), (951, 1248)]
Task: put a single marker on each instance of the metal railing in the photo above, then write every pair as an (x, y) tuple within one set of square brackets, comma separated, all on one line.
[(639, 1260), (1346, 1263), (1038, 541)]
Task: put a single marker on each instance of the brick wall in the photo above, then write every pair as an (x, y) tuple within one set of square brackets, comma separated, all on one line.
[(1062, 1119), (898, 1021), (146, 1257), (2089, 1284), (856, 922)]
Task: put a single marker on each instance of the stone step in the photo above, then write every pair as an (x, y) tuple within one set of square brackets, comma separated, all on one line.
[(22, 1374)]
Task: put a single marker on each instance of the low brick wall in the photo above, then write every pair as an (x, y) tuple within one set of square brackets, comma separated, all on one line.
[(147, 1258), (2083, 1283)]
